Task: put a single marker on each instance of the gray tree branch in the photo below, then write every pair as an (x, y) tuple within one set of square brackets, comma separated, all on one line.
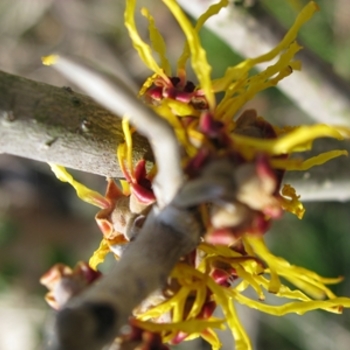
[(51, 124), (94, 318)]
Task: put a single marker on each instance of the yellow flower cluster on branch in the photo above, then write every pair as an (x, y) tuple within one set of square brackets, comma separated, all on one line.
[(183, 106)]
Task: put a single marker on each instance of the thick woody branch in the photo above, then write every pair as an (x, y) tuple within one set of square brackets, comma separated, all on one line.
[(51, 124), (93, 319)]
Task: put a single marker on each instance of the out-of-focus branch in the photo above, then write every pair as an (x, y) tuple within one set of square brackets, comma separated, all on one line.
[(51, 124), (316, 89)]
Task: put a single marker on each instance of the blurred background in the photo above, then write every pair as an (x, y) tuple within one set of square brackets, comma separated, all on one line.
[(42, 221)]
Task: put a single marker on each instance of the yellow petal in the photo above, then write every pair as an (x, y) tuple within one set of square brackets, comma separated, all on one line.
[(212, 10), (304, 16), (143, 49), (181, 109), (257, 244), (179, 304), (147, 84), (308, 281), (334, 305), (251, 280), (175, 304), (232, 102), (293, 164), (49, 60), (238, 75), (302, 136), (99, 254), (297, 140), (189, 326), (128, 142), (313, 288), (223, 299), (157, 42), (219, 250), (211, 337), (201, 294), (199, 61), (242, 341), (83, 192), (125, 187), (165, 111), (290, 201), (284, 291), (122, 156)]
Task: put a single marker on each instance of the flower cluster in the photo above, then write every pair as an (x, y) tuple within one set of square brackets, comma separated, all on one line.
[(243, 158)]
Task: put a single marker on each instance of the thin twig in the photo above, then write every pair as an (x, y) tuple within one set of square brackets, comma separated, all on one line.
[(120, 99)]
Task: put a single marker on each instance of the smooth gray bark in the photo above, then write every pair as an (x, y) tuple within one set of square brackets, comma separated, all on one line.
[(57, 125)]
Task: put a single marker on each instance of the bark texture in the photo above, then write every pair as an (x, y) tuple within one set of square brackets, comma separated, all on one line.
[(53, 124)]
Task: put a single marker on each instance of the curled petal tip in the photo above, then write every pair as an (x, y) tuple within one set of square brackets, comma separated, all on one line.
[(49, 60)]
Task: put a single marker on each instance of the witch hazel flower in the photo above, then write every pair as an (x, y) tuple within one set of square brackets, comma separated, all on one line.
[(234, 161), (245, 155)]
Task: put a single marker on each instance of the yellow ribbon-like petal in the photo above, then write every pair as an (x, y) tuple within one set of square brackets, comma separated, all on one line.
[(188, 326), (201, 294), (297, 164), (242, 340), (143, 49), (303, 17), (83, 192), (298, 307), (297, 140), (212, 10), (199, 61), (250, 86), (211, 337), (157, 42), (99, 254), (239, 73), (128, 142), (307, 280), (290, 201)]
